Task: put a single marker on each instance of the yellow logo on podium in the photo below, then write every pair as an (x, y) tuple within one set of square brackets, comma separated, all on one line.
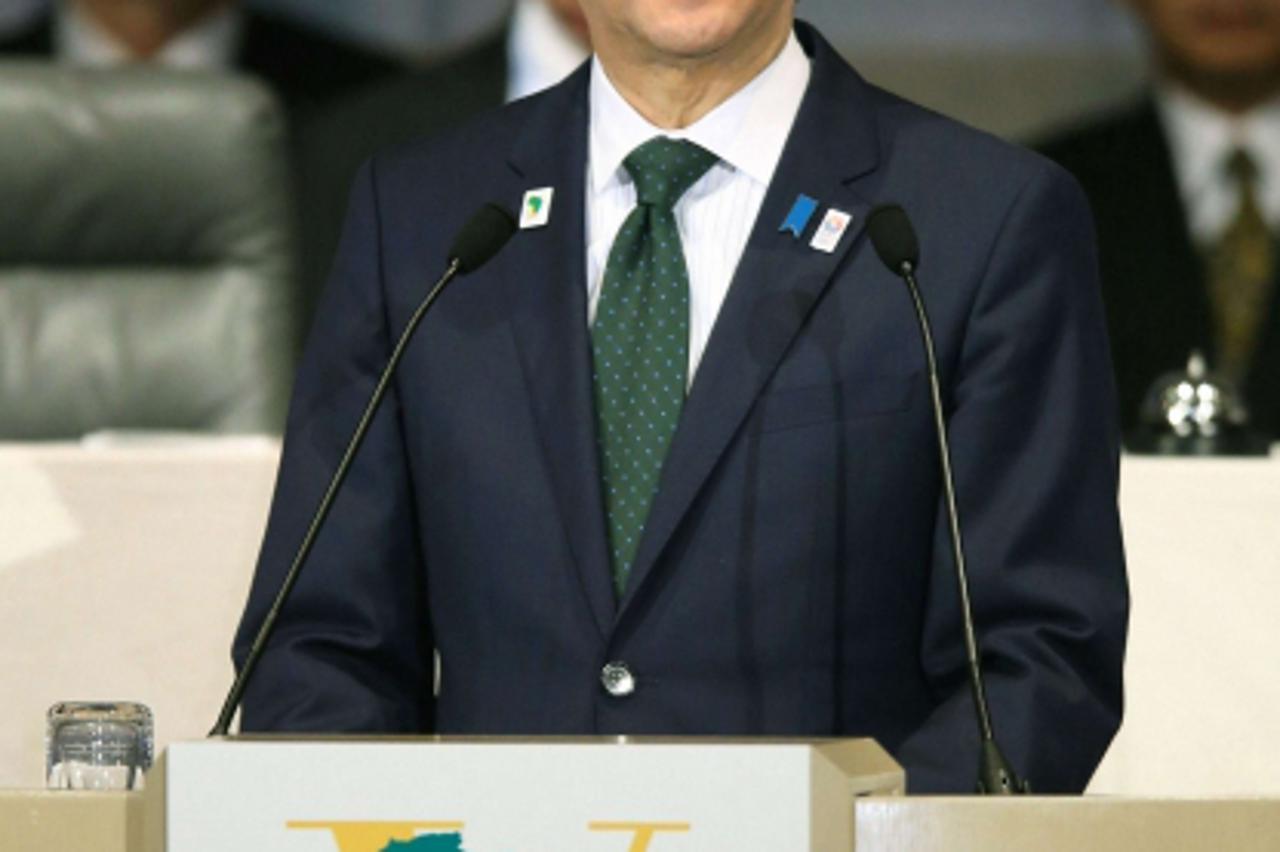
[(642, 833), (409, 836), (388, 836)]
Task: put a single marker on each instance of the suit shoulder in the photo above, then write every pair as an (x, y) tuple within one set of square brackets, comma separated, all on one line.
[(955, 158), (474, 143), (465, 165), (409, 108)]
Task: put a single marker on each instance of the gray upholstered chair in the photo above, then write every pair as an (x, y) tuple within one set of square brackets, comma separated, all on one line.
[(146, 253)]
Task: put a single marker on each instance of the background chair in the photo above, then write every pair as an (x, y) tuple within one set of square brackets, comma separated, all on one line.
[(147, 273)]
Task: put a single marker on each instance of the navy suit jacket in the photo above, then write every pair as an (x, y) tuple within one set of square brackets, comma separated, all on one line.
[(794, 576)]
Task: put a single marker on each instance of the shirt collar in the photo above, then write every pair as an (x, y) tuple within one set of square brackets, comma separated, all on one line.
[(211, 44), (748, 131), (1201, 137), (540, 50)]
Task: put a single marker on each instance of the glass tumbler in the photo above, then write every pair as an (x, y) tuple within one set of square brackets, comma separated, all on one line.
[(97, 745)]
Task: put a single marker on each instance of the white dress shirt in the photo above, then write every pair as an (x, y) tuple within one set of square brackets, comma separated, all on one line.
[(747, 132), (1201, 138), (540, 50), (210, 45)]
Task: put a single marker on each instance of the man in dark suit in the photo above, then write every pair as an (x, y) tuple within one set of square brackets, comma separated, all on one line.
[(305, 67), (666, 466), (1185, 186)]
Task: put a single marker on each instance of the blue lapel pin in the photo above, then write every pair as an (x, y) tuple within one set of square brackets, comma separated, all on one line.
[(798, 218)]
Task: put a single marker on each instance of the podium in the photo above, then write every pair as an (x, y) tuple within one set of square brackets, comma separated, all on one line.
[(594, 795), (366, 795)]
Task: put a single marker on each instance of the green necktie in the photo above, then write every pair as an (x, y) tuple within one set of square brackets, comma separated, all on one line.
[(1241, 272), (640, 341)]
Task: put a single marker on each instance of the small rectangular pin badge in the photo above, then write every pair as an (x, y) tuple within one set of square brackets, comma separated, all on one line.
[(828, 235), (535, 211), (798, 218)]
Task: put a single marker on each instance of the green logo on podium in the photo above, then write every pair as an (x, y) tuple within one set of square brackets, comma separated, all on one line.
[(427, 843)]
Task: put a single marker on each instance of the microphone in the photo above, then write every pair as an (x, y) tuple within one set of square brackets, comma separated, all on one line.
[(895, 242), (484, 234)]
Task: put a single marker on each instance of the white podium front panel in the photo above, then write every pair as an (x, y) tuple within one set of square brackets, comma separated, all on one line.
[(511, 796)]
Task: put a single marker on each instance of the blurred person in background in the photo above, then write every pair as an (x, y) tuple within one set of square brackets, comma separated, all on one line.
[(306, 68), (540, 45), (1185, 185)]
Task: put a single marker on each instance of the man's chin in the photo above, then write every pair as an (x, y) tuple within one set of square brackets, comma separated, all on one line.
[(687, 46), (1228, 82), (1227, 71), (1244, 54)]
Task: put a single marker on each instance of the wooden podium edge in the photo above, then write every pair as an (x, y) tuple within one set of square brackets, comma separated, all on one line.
[(1066, 824), (153, 836), (60, 820), (840, 772)]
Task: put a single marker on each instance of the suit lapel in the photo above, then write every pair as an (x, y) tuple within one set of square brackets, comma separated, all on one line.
[(778, 282), (548, 302)]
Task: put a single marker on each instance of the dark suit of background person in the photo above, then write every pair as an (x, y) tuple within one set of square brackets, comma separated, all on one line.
[(793, 576), (1161, 211), (305, 67), (1153, 275)]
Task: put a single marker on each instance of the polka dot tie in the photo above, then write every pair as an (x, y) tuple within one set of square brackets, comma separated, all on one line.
[(640, 341)]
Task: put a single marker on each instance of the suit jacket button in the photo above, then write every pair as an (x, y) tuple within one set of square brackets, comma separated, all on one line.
[(617, 679)]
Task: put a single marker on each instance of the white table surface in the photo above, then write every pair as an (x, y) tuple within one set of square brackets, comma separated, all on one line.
[(123, 570), (1203, 669), (124, 567)]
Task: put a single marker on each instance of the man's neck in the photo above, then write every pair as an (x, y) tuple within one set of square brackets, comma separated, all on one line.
[(144, 28), (1234, 94), (675, 94)]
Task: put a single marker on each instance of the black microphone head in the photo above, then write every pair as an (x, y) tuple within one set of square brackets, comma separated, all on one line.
[(893, 237), (484, 235)]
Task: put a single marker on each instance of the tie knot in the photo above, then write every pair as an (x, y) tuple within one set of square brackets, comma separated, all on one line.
[(1242, 167), (663, 169)]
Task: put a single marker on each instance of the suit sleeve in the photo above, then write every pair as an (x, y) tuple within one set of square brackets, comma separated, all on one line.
[(352, 650), (1035, 449)]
